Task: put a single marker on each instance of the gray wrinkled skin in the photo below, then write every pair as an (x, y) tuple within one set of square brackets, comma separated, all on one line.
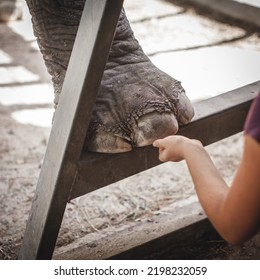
[(136, 103)]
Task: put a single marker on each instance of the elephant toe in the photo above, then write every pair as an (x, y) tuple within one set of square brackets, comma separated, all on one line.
[(185, 109), (153, 126), (105, 142)]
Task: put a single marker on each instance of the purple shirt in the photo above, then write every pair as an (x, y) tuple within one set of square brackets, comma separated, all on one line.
[(252, 125)]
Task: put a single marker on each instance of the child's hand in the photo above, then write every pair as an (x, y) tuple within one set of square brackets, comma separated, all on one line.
[(173, 148)]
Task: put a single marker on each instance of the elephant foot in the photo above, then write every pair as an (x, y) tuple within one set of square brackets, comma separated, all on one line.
[(10, 10), (136, 103)]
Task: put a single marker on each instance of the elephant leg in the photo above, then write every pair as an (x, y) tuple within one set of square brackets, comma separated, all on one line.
[(136, 103)]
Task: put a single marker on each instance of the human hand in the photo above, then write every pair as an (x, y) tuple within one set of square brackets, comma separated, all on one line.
[(173, 148)]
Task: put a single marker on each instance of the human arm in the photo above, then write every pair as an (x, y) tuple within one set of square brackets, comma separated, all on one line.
[(234, 211)]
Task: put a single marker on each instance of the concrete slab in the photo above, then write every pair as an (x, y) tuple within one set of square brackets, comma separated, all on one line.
[(209, 57), (247, 11), (210, 71)]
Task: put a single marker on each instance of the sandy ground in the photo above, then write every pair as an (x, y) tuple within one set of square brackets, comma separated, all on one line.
[(208, 56)]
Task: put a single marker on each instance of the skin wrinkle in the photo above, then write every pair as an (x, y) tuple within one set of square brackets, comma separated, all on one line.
[(124, 129), (49, 19)]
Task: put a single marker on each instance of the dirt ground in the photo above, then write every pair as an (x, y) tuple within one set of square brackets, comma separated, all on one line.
[(185, 51)]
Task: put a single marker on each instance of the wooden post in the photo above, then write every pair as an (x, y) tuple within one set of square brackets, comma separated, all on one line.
[(83, 77)]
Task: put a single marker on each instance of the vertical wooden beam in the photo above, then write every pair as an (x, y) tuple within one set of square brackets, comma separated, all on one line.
[(83, 77)]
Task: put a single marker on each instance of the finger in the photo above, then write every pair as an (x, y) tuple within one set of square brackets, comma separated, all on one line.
[(157, 143)]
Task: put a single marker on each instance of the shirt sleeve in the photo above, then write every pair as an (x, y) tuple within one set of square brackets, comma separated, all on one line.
[(252, 124)]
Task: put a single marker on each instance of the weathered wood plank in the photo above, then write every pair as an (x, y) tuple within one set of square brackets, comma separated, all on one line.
[(83, 77), (215, 119), (180, 223)]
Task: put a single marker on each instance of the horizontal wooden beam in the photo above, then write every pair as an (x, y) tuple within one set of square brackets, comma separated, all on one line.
[(215, 118), (179, 224)]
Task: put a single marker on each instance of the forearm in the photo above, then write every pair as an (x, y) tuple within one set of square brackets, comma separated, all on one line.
[(209, 185), (233, 211)]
